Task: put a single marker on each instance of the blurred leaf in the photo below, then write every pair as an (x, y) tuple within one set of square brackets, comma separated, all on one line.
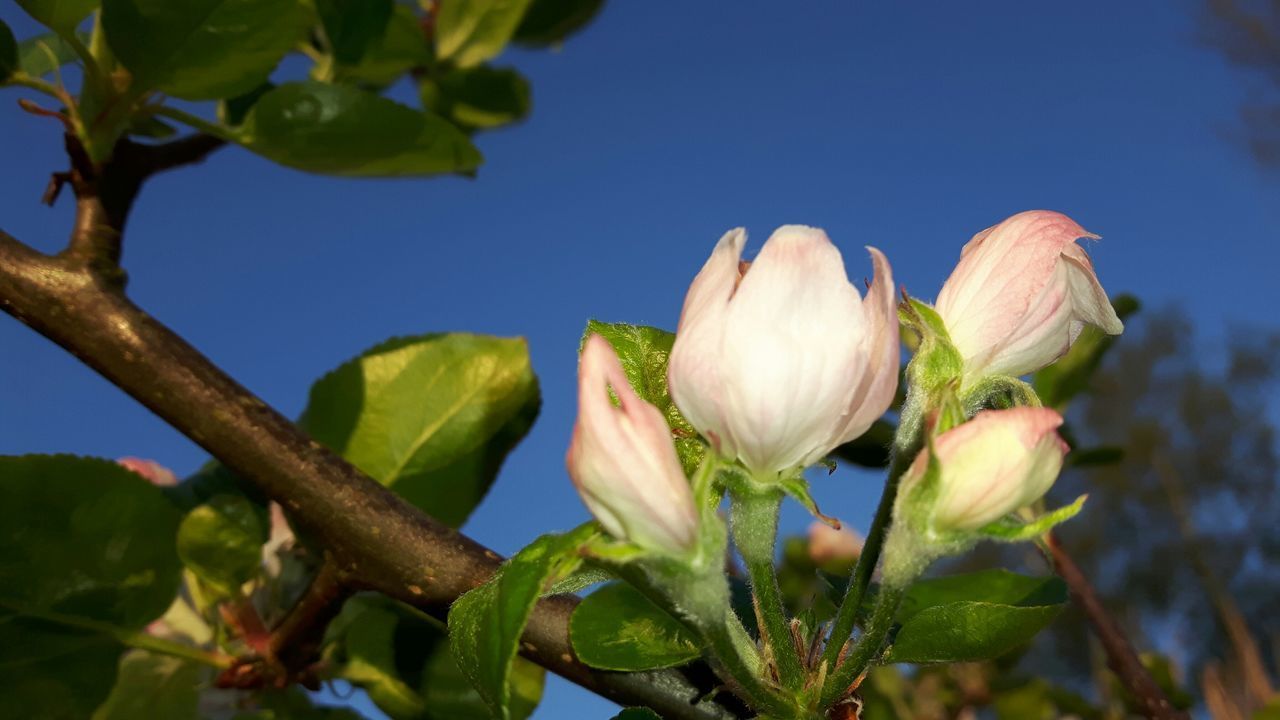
[(637, 713), (486, 623), (973, 617), (221, 541), (8, 52), (1060, 382), (351, 26), (431, 417), (80, 540), (401, 47), (42, 54), (232, 111), (470, 32), (401, 658), (549, 22), (617, 628), (644, 352), (871, 449), (480, 97), (342, 130), (202, 49), (61, 15), (153, 685), (151, 127)]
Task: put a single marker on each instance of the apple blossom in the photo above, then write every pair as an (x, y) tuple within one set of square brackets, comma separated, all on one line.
[(778, 362), (623, 461), (1021, 294)]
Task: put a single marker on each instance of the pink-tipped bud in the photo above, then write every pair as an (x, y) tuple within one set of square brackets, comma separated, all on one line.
[(623, 461), (996, 463), (1021, 293), (829, 545), (158, 474), (779, 362)]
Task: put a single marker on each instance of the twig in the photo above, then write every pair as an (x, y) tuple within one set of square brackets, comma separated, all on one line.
[(1121, 657)]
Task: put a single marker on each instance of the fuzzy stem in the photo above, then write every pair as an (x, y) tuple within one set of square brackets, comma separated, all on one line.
[(754, 520), (868, 647)]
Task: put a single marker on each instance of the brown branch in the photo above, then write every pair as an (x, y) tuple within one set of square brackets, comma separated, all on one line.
[(376, 539), (1121, 657)]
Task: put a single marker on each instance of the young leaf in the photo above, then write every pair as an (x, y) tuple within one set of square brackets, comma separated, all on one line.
[(617, 628), (61, 15), (40, 55), (221, 541), (202, 49), (486, 623), (478, 98), (84, 542), (153, 685), (468, 33), (401, 47), (342, 130), (352, 26), (970, 617), (8, 52), (550, 22), (431, 417)]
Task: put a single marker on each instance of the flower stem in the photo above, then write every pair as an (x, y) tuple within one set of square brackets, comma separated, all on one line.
[(740, 665), (754, 521), (868, 647)]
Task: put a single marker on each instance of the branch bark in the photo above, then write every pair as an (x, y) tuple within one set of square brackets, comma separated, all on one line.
[(1121, 657), (376, 539)]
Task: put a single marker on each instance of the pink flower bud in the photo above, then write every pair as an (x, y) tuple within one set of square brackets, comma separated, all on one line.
[(623, 461), (158, 474), (1021, 293), (829, 545), (779, 362), (996, 463)]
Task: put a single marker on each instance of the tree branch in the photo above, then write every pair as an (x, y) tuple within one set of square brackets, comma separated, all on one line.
[(379, 541), (1121, 657)]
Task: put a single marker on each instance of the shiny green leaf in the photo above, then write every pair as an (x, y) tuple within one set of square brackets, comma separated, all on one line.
[(202, 49), (62, 15), (352, 26), (550, 22), (617, 628), (342, 130), (221, 541), (431, 417), (468, 33), (486, 623), (478, 98)]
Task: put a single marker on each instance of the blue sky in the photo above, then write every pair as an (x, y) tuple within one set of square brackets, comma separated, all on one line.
[(909, 126)]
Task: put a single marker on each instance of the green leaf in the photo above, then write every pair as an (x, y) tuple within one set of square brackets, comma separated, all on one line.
[(644, 352), (1012, 529), (81, 539), (221, 541), (617, 628), (976, 616), (478, 98), (202, 49), (468, 33), (151, 127), (431, 417), (1069, 376), (62, 15), (342, 130), (401, 658), (8, 52), (401, 47), (154, 685), (232, 111), (637, 713), (352, 26), (550, 22), (486, 623), (40, 55)]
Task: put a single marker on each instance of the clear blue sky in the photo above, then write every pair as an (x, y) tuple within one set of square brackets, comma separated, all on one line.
[(909, 126)]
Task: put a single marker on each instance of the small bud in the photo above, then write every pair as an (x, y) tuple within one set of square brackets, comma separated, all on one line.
[(828, 545), (623, 461), (779, 362), (991, 466), (158, 474), (1020, 295)]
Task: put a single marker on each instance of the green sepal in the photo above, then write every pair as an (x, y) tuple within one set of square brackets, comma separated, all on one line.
[(998, 392), (798, 488), (1010, 529)]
